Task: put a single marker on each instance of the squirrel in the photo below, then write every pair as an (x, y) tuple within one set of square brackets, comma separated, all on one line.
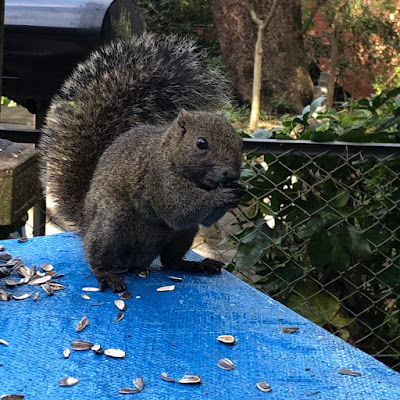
[(136, 157)]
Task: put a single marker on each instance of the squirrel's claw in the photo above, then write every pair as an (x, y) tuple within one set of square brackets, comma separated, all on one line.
[(110, 279), (211, 266)]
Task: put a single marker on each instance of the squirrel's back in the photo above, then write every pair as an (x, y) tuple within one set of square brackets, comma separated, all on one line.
[(128, 82)]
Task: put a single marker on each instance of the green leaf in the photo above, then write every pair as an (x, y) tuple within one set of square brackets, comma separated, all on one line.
[(248, 173), (357, 243), (261, 134), (342, 198), (316, 103), (266, 209), (326, 136), (340, 256), (354, 135), (320, 248), (391, 276), (248, 254)]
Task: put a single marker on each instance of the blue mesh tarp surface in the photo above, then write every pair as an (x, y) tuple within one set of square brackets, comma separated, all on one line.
[(173, 332)]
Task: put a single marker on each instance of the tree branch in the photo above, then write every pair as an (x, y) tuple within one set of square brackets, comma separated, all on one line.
[(314, 11), (270, 15), (264, 23)]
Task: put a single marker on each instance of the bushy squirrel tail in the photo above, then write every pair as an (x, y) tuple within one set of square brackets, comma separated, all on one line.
[(128, 82)]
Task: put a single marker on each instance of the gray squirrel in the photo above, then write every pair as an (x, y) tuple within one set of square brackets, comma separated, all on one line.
[(136, 159)]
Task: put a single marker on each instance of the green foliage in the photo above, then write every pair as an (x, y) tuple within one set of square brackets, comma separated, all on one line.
[(5, 101), (376, 119), (321, 231), (182, 17), (369, 36)]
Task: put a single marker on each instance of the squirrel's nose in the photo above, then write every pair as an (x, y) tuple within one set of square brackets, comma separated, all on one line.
[(230, 175)]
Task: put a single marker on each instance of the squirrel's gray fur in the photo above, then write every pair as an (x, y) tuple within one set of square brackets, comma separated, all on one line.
[(121, 157)]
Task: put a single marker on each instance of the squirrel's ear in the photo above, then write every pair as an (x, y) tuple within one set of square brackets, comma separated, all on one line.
[(182, 120)]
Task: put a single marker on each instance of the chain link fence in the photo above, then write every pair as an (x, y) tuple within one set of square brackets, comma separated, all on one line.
[(318, 231)]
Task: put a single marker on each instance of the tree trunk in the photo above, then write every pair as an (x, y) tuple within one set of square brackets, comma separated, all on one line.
[(285, 77), (337, 31), (257, 79)]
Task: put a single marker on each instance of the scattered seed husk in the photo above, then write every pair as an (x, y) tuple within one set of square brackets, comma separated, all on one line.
[(5, 256), (227, 339), (2, 248), (290, 329), (9, 282), (4, 295), (120, 316), (115, 353), (4, 271), (126, 390), (81, 345), (190, 379), (4, 342), (97, 349), (51, 273), (55, 276), (263, 386), (35, 296), (139, 383), (166, 288), (49, 290), (165, 377), (85, 296), (47, 267), (13, 397), (90, 289), (96, 304), (121, 305), (56, 286), (14, 263), (22, 297), (39, 280), (125, 295), (144, 274), (83, 323), (66, 352), (345, 371), (175, 278), (69, 381), (24, 271), (226, 363), (23, 239)]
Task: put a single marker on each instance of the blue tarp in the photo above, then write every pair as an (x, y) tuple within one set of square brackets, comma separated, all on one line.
[(173, 332)]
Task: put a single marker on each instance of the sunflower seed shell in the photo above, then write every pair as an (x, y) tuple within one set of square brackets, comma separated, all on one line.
[(226, 363), (68, 381), (83, 323), (190, 379), (81, 345), (126, 390), (166, 288), (263, 386), (115, 353), (121, 305), (166, 378), (227, 339)]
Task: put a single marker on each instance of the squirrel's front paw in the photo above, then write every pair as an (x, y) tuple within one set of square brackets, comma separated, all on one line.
[(231, 193), (110, 279), (211, 266)]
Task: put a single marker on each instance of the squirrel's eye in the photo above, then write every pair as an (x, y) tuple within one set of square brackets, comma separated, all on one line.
[(202, 143)]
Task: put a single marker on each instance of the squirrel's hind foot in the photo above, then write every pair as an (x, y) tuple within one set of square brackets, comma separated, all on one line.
[(208, 265), (110, 279)]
